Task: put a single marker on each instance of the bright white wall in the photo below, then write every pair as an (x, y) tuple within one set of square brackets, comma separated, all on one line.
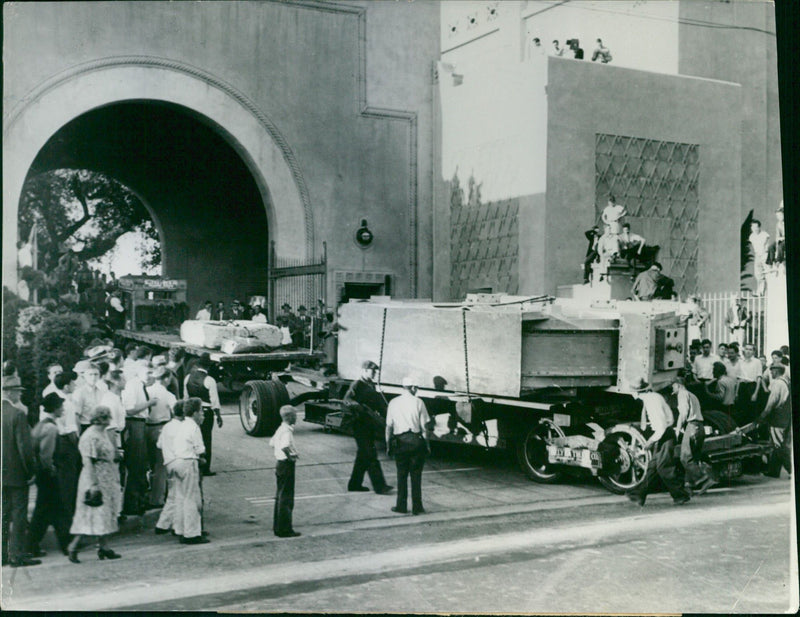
[(641, 35)]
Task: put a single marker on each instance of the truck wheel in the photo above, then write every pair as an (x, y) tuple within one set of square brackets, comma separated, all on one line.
[(719, 421), (532, 451), (631, 457), (259, 407)]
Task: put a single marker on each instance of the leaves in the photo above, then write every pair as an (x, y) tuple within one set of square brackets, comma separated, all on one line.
[(81, 207)]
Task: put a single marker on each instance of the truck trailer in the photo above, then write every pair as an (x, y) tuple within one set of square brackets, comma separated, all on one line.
[(550, 378)]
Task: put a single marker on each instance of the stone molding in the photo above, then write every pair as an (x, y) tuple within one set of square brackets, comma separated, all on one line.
[(144, 61), (378, 113)]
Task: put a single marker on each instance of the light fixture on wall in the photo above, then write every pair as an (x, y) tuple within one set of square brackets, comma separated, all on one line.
[(364, 236)]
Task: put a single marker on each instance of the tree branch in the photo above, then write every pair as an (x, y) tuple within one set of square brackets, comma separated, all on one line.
[(75, 185)]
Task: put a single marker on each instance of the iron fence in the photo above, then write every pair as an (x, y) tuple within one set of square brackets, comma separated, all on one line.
[(718, 305)]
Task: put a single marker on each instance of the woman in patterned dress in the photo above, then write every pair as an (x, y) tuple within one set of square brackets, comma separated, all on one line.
[(100, 472)]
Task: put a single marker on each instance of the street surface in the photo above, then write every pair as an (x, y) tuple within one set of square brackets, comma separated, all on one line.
[(491, 542)]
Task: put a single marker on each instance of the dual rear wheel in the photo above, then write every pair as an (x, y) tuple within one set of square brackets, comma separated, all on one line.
[(259, 406)]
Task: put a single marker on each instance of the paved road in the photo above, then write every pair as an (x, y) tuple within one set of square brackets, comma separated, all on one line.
[(491, 542)]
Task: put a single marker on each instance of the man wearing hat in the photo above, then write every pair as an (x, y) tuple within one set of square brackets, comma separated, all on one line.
[(18, 468), (287, 319), (160, 414), (367, 408), (407, 437), (661, 444), (690, 433), (778, 415)]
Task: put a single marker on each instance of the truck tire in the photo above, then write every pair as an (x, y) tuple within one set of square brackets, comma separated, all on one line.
[(630, 455), (532, 451), (719, 421), (259, 407)]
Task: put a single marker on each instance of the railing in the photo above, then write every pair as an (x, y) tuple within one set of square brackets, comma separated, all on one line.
[(296, 282), (717, 304)]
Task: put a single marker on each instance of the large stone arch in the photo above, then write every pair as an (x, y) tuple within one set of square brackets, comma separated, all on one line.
[(60, 99)]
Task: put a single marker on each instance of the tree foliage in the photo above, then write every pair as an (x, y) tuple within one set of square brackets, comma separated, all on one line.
[(81, 207)]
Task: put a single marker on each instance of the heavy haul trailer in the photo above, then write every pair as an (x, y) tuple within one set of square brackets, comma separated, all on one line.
[(551, 378), (232, 370)]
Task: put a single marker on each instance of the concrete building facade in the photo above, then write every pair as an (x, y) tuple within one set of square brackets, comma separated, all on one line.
[(324, 105)]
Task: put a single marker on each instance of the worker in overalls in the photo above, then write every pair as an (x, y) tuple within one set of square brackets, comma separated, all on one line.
[(200, 384), (367, 408)]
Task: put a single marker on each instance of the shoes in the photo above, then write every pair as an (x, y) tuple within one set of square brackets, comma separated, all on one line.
[(704, 486), (682, 500), (358, 489), (201, 539), (73, 556), (107, 553), (399, 511), (37, 553), (209, 473), (289, 534), (418, 512), (385, 490), (24, 562), (160, 532), (154, 507), (639, 501)]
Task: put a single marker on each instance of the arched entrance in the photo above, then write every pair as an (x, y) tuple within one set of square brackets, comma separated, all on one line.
[(90, 95)]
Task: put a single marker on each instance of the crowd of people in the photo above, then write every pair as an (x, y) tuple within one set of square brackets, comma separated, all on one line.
[(306, 328), (573, 47), (121, 433), (751, 394)]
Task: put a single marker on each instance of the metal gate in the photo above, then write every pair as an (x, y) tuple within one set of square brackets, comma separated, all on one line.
[(717, 304), (296, 282)]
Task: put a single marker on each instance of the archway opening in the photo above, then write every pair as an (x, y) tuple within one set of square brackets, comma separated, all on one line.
[(207, 211)]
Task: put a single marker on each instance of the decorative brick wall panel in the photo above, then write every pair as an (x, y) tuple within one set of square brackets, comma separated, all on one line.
[(657, 182), (484, 242)]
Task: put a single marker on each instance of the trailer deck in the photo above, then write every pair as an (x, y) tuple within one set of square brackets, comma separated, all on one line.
[(172, 339)]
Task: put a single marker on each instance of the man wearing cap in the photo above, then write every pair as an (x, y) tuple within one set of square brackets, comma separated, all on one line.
[(407, 437), (18, 469), (49, 509), (661, 443), (367, 408), (159, 415), (647, 283), (778, 415), (202, 385), (690, 433)]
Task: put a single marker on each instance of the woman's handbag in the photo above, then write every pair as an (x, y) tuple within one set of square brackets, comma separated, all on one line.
[(93, 498)]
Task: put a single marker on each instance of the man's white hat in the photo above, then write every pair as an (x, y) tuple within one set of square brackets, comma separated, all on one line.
[(408, 381)]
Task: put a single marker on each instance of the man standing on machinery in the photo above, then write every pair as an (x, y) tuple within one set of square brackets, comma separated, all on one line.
[(368, 410)]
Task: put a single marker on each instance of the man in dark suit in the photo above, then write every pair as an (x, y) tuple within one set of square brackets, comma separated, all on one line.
[(18, 468), (368, 409)]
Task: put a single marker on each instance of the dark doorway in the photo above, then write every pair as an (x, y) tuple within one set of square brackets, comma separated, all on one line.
[(363, 291)]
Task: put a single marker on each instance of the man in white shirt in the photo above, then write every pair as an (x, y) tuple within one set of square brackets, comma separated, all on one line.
[(759, 241), (166, 442), (159, 415), (204, 314), (703, 365), (407, 438), (52, 371), (87, 396), (690, 433), (732, 364), (750, 370), (137, 403), (661, 443), (112, 398), (285, 455)]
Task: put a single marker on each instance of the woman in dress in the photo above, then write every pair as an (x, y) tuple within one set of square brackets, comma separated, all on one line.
[(100, 472)]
